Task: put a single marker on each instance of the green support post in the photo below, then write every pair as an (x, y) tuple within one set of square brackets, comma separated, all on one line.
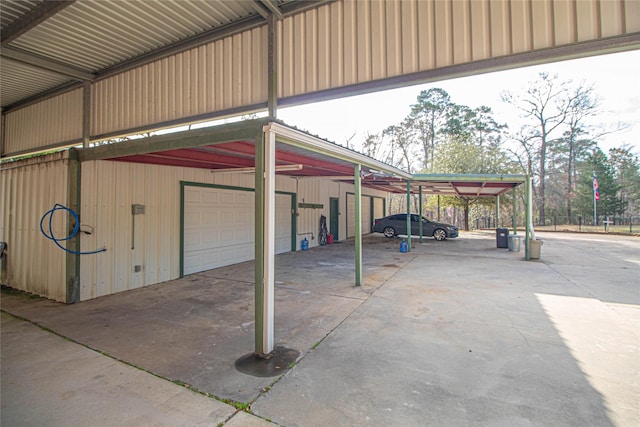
[(420, 210), (527, 227), (497, 211), (357, 180), (72, 261), (514, 221), (408, 216)]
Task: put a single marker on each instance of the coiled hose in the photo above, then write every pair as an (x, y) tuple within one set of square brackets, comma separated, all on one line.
[(56, 240)]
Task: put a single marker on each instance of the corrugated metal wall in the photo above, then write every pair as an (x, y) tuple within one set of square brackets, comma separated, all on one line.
[(30, 188), (354, 41), (50, 122), (110, 188), (342, 43), (226, 74)]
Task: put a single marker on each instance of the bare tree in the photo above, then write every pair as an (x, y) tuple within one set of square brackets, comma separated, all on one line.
[(545, 104)]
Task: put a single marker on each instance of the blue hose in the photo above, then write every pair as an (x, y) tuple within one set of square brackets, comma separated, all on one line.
[(56, 240)]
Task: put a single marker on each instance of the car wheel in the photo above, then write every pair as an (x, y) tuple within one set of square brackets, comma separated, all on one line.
[(440, 234), (389, 232)]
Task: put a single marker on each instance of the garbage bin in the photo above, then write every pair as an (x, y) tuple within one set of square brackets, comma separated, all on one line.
[(514, 242), (534, 248), (501, 237)]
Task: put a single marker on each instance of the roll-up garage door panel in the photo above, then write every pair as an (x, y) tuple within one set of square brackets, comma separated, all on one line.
[(365, 207), (219, 227)]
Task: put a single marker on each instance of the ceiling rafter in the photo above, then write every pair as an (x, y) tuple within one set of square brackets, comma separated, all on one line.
[(265, 8), (32, 19), (46, 64)]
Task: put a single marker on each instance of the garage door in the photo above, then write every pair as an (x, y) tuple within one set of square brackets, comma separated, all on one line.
[(365, 207), (219, 227)]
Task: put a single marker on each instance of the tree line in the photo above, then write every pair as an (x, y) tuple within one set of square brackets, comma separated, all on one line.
[(556, 143)]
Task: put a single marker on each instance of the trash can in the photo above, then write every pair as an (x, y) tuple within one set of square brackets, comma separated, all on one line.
[(534, 248), (501, 237), (514, 242)]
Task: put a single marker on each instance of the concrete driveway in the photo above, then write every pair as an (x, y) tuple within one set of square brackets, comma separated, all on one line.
[(454, 333)]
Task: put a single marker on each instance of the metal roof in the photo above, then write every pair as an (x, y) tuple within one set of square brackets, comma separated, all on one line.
[(298, 154), (52, 44)]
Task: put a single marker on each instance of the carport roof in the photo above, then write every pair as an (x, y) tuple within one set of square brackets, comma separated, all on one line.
[(231, 148)]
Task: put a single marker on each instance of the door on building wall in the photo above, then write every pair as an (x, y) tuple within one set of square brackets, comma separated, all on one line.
[(334, 212), (219, 227), (365, 208)]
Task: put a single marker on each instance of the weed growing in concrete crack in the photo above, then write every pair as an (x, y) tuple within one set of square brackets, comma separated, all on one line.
[(240, 406), (181, 383)]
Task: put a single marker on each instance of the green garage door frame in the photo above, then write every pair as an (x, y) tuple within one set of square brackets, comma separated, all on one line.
[(184, 184), (371, 209)]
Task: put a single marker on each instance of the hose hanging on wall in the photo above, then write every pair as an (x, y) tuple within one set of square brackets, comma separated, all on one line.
[(76, 228)]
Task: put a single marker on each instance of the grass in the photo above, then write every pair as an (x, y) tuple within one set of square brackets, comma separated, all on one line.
[(240, 406), (600, 229)]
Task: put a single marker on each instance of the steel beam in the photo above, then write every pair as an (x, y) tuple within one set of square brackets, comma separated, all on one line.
[(245, 130), (45, 63), (33, 18)]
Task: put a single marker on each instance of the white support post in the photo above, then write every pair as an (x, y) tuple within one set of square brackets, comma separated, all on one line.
[(269, 240)]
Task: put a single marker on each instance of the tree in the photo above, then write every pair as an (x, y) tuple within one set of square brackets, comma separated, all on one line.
[(545, 104), (610, 203), (428, 117), (575, 142), (472, 146), (626, 170), (401, 139)]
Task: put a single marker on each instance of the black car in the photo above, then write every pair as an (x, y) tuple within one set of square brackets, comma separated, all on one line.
[(393, 225)]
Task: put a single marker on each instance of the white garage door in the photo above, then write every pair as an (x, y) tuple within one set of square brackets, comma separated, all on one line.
[(365, 207), (219, 227)]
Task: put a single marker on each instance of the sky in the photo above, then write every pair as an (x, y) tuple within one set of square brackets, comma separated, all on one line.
[(616, 80)]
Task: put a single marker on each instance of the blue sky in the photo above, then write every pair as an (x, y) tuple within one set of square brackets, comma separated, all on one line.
[(616, 80)]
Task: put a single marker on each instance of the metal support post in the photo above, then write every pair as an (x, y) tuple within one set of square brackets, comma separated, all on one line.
[(264, 242), (72, 262), (527, 229), (408, 215), (272, 69), (514, 220), (420, 201), (357, 179)]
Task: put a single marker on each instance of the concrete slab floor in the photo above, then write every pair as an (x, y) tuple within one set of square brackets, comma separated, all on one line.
[(454, 333)]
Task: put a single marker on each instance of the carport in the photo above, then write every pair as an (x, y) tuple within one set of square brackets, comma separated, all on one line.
[(264, 148), (461, 185)]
